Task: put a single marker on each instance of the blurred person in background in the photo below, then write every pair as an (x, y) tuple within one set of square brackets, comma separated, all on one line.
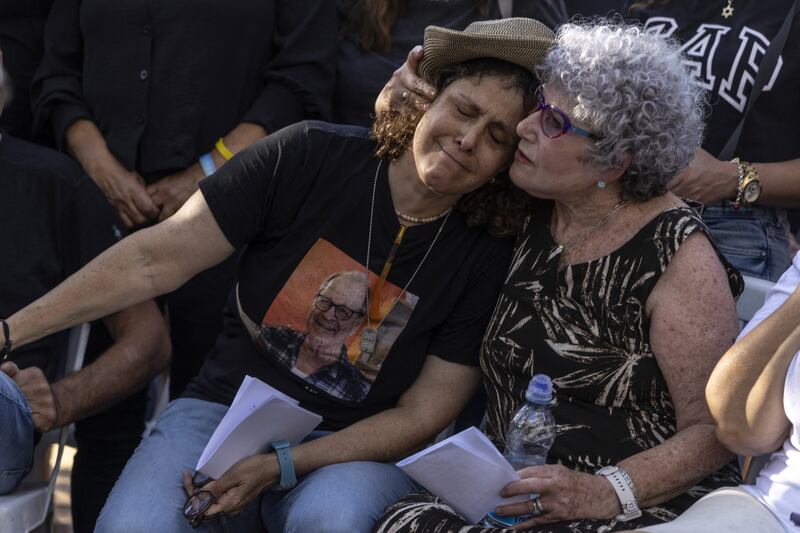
[(57, 220), (746, 198), (152, 97)]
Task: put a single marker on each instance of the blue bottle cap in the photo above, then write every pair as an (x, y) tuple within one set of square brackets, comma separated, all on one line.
[(540, 390)]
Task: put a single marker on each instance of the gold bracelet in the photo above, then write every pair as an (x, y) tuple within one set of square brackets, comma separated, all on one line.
[(737, 203), (223, 150)]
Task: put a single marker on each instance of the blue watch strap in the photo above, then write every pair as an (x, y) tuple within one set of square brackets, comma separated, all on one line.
[(283, 451)]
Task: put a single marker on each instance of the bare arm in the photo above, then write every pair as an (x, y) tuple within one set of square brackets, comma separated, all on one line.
[(141, 349), (150, 262), (745, 392), (710, 180), (439, 393), (693, 321)]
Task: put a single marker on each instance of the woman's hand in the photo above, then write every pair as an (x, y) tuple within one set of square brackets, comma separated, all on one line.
[(405, 87), (171, 192), (125, 190), (237, 487), (564, 494)]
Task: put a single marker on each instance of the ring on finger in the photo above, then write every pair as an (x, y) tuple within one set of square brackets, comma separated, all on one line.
[(536, 506), (404, 96)]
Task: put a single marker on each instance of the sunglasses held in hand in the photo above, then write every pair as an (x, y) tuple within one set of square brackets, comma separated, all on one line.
[(196, 506)]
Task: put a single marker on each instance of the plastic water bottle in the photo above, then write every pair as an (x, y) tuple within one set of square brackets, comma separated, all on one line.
[(529, 437)]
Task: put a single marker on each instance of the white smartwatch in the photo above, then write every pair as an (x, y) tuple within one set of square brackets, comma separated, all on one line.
[(623, 486)]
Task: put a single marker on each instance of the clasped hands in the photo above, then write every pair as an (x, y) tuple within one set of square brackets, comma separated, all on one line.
[(564, 494), (139, 204)]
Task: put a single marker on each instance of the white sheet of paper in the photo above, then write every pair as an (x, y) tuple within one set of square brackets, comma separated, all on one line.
[(466, 471), (258, 415)]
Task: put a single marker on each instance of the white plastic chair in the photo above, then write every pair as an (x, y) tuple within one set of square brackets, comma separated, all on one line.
[(751, 300), (161, 400), (29, 507)]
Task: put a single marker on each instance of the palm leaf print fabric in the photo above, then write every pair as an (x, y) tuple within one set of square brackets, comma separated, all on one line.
[(586, 326)]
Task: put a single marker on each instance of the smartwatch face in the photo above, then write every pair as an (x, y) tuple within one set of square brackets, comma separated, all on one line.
[(752, 191)]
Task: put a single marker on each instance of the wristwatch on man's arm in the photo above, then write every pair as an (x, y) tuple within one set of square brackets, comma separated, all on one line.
[(749, 187), (626, 492)]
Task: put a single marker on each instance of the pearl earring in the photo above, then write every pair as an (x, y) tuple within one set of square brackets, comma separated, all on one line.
[(601, 184)]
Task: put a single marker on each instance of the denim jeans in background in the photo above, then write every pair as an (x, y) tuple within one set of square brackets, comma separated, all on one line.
[(16, 435), (149, 496), (754, 239)]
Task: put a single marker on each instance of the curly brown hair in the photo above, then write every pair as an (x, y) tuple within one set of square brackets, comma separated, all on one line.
[(499, 204)]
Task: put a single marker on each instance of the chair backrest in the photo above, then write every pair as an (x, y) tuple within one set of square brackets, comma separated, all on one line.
[(752, 298), (28, 507)]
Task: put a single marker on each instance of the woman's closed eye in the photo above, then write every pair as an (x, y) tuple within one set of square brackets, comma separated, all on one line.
[(463, 110)]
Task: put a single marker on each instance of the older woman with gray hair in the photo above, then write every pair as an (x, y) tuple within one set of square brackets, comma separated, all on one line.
[(615, 290)]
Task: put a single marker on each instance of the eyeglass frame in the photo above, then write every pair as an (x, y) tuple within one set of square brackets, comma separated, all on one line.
[(200, 480), (540, 105), (336, 308)]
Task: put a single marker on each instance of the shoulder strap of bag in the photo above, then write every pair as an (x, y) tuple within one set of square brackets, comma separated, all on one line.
[(765, 69)]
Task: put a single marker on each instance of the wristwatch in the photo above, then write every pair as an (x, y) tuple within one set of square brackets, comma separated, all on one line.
[(623, 486), (749, 188), (283, 451)]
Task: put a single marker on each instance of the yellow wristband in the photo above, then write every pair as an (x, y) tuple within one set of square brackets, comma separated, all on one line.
[(223, 150)]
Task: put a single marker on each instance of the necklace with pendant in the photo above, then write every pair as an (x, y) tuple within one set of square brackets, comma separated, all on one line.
[(582, 236), (727, 11), (369, 336)]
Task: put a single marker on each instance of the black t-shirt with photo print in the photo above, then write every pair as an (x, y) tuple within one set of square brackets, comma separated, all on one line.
[(724, 55), (299, 203)]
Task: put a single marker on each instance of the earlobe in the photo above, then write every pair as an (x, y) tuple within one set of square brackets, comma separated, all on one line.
[(614, 174)]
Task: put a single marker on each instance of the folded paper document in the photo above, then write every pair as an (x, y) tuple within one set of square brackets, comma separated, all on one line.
[(259, 414), (466, 471)]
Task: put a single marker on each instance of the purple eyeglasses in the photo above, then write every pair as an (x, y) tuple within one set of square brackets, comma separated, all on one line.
[(555, 122)]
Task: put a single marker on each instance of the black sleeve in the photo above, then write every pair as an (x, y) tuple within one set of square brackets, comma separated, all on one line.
[(459, 338), (92, 226), (56, 89), (299, 78), (267, 181)]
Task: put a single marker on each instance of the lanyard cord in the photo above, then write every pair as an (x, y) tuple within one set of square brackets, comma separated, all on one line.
[(373, 304)]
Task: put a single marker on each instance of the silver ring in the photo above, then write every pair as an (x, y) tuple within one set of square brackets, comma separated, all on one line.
[(404, 96), (536, 505)]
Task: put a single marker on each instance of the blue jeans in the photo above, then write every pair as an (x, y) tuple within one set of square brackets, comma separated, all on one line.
[(754, 239), (16, 435), (149, 495)]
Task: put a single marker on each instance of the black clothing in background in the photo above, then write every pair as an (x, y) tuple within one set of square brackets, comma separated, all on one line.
[(57, 220), (21, 41), (361, 75), (164, 80)]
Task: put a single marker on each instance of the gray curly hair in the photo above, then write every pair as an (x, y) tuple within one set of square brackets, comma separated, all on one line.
[(630, 88)]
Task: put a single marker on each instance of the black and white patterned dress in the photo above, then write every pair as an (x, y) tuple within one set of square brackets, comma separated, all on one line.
[(586, 326)]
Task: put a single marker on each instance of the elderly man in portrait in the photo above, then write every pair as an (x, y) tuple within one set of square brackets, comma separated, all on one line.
[(319, 354)]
